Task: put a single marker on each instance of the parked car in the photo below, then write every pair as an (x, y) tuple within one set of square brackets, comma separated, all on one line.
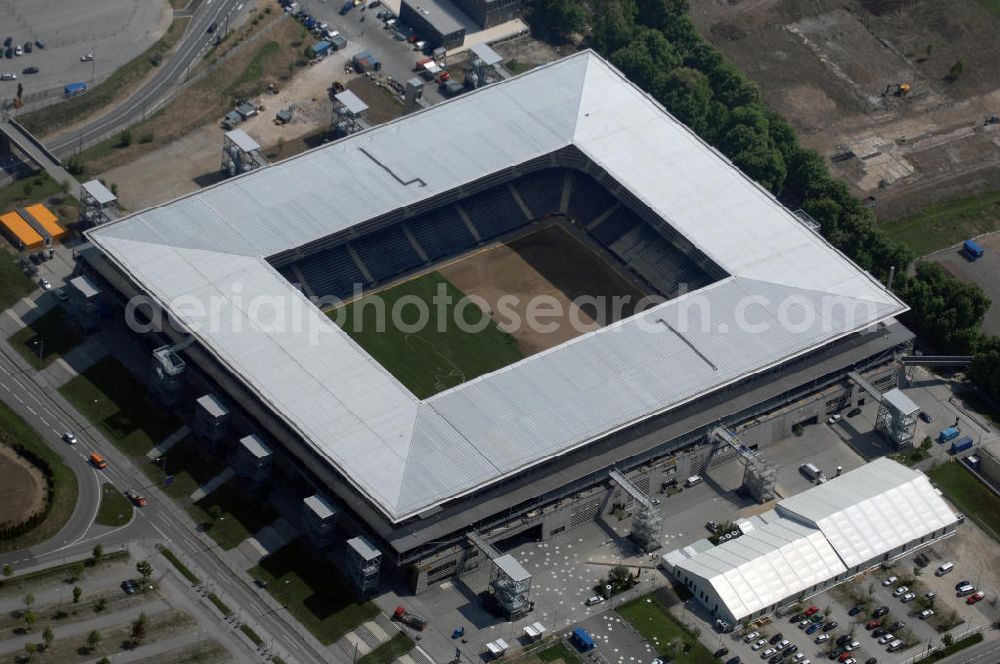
[(775, 658), (836, 653), (804, 623), (930, 595), (880, 611), (898, 625), (129, 586), (39, 43), (767, 653), (854, 412), (872, 624), (926, 613), (812, 628), (833, 419), (7, 76), (798, 617), (879, 632), (750, 637), (830, 626), (958, 586), (44, 283), (784, 643), (926, 417), (841, 640), (821, 638), (902, 590), (972, 599), (758, 644), (87, 57), (871, 660), (790, 650), (844, 657), (594, 599), (30, 70), (8, 41), (855, 610), (907, 598), (721, 652), (816, 617), (886, 638), (891, 580), (810, 611), (777, 637), (18, 51), (853, 645)]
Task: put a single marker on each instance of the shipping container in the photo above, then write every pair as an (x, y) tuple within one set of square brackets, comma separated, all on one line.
[(947, 434), (960, 445), (75, 88)]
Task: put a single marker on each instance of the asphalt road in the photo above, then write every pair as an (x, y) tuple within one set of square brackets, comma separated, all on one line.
[(987, 652), (149, 97), (160, 521)]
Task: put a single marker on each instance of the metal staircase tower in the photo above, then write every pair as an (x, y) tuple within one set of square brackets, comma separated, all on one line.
[(510, 583), (647, 525), (759, 476)]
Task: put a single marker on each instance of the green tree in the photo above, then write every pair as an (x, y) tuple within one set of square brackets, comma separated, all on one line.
[(956, 70), (29, 650), (687, 94), (29, 599), (77, 592), (615, 26), (649, 55), (104, 660), (947, 640), (144, 569), (29, 620), (747, 143), (7, 570), (661, 14), (101, 604), (138, 631), (48, 636), (98, 553), (124, 138), (946, 312), (215, 511), (77, 571), (93, 639), (560, 17)]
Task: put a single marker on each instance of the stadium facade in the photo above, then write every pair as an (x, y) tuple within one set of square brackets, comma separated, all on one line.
[(781, 316)]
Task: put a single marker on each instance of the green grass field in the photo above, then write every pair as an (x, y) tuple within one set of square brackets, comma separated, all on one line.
[(241, 515), (651, 620), (975, 500), (560, 651), (439, 355), (14, 430), (108, 395), (314, 594), (948, 223), (115, 509), (390, 650), (50, 336)]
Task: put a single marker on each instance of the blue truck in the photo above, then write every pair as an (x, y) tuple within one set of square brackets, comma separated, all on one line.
[(960, 445), (582, 639), (972, 250), (75, 88), (947, 434)]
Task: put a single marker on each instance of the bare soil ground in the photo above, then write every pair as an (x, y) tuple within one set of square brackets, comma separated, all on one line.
[(382, 105), (984, 272), (825, 65), (22, 487), (550, 264)]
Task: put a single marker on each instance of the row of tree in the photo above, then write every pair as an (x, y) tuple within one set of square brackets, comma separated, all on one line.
[(655, 43)]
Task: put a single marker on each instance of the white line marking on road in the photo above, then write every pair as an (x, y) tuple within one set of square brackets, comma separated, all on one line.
[(19, 399), (32, 411), (4, 386)]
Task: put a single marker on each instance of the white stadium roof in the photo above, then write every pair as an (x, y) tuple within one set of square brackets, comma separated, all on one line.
[(767, 565), (871, 510), (206, 253)]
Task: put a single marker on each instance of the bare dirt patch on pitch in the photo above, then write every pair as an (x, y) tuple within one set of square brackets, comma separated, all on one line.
[(22, 487), (548, 270)]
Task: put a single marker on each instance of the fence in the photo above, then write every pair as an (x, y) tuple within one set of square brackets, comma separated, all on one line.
[(928, 651)]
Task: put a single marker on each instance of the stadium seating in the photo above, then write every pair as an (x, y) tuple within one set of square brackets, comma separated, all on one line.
[(386, 253), (588, 199), (656, 261), (441, 233), (331, 272), (494, 212), (542, 192), (620, 222)]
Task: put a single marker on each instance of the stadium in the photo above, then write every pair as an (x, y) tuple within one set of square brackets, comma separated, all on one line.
[(566, 181)]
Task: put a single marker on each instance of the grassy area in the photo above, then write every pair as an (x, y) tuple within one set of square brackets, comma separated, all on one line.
[(560, 651), (518, 67), (255, 69), (314, 595), (186, 463), (108, 395), (439, 355), (992, 5), (20, 581), (252, 635), (120, 83), (28, 190), (219, 604), (650, 618), (49, 337), (976, 501), (948, 223), (967, 642), (390, 650), (115, 509), (14, 430), (973, 400), (179, 566), (240, 515), (14, 284)]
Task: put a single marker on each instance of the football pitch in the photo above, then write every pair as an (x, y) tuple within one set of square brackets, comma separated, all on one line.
[(440, 354)]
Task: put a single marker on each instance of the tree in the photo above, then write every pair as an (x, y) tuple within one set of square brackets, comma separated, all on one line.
[(29, 620), (615, 27), (947, 640), (144, 569), (956, 70), (48, 637), (661, 14), (648, 56), (77, 592), (77, 571), (98, 553), (215, 511), (138, 631), (102, 604), (688, 95), (93, 639), (560, 17), (29, 650), (7, 570), (124, 138), (104, 660), (747, 143), (29, 599)]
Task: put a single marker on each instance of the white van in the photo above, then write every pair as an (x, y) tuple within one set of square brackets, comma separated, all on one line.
[(694, 479), (966, 590), (896, 645), (944, 569)]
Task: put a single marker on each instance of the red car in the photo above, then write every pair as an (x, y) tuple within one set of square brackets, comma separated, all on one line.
[(846, 656), (975, 597), (811, 610), (872, 624)]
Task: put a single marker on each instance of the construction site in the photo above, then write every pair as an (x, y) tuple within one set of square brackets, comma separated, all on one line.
[(900, 96)]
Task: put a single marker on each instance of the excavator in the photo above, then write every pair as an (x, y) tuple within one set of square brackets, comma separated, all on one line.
[(897, 89)]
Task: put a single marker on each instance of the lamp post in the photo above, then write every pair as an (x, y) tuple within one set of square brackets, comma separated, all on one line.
[(40, 343)]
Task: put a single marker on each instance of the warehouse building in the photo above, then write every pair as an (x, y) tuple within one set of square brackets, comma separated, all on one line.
[(814, 540), (488, 13), (437, 21)]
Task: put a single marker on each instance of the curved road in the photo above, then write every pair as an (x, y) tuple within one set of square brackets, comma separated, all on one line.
[(148, 98)]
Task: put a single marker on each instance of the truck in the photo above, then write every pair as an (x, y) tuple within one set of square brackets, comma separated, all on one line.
[(948, 434), (960, 445), (77, 88), (98, 461), (137, 499), (414, 620), (810, 470), (972, 250), (582, 639)]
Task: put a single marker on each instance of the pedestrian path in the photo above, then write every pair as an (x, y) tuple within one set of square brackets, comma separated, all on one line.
[(76, 361), (267, 540), (169, 442), (213, 484)]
